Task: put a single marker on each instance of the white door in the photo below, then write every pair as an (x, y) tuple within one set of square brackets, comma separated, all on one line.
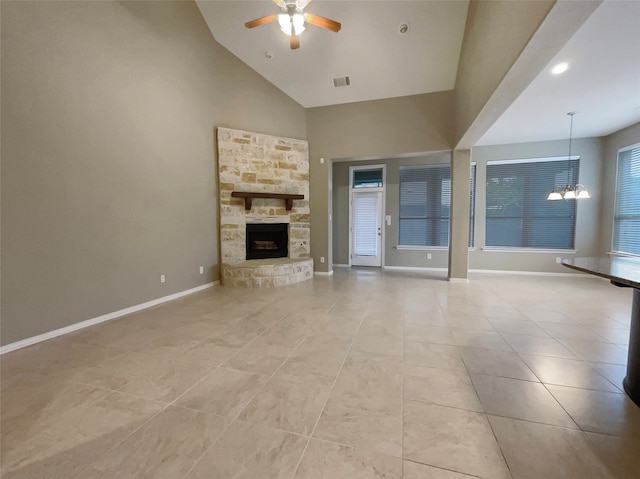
[(366, 228)]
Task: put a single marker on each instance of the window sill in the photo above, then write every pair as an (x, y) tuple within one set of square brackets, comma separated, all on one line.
[(426, 248), (500, 249), (622, 255)]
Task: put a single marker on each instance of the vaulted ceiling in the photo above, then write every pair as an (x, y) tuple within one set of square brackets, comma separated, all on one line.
[(602, 84)]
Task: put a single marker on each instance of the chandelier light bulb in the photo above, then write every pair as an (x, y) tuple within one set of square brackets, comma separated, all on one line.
[(554, 195)]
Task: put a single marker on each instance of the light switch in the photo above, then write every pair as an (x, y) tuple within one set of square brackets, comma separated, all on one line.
[(388, 220)]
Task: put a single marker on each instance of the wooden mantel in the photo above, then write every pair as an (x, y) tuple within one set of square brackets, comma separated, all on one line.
[(249, 196)]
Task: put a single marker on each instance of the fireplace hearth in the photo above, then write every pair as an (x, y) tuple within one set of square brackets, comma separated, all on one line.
[(267, 240)]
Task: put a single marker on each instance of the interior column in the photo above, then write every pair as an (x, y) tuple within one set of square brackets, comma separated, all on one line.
[(459, 214)]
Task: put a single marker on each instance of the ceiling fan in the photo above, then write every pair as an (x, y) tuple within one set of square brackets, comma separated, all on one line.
[(293, 18)]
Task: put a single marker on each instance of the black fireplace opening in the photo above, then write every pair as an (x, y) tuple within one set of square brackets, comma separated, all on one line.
[(267, 240)]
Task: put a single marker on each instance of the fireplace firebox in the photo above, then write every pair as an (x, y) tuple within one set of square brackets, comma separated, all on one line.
[(267, 240)]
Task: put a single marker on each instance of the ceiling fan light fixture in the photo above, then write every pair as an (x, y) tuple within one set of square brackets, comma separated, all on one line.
[(284, 20)]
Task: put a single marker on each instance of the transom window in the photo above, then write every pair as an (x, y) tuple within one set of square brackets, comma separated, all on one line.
[(367, 178)]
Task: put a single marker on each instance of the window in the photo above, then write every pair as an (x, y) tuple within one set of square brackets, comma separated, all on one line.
[(626, 219), (425, 201), (518, 214), (367, 178), (472, 205)]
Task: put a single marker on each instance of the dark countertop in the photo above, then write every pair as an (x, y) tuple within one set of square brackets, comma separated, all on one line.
[(620, 269)]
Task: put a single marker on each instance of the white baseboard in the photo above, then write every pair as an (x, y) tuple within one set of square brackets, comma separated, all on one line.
[(524, 273), (322, 273), (458, 280), (335, 265), (414, 268), (100, 319), (484, 271)]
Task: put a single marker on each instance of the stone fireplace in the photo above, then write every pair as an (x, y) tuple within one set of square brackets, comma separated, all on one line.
[(264, 209)]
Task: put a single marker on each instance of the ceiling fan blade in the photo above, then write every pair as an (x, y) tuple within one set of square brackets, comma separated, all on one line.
[(294, 42), (323, 22), (261, 21)]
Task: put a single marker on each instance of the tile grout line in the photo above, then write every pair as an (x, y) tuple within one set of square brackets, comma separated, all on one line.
[(235, 418), (167, 405), (221, 365), (442, 468), (403, 395), (313, 430), (143, 425)]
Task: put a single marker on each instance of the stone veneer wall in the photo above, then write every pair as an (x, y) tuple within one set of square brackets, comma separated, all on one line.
[(253, 162)]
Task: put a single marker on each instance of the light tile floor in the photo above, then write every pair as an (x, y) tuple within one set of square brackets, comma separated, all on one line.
[(366, 374)]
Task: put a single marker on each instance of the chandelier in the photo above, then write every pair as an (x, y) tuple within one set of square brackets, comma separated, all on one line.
[(569, 191)]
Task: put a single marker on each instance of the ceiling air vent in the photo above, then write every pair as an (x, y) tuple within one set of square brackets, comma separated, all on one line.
[(341, 81)]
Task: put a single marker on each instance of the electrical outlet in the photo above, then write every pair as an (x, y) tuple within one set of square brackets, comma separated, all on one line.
[(201, 269), (162, 278), (322, 259), (428, 255), (558, 259)]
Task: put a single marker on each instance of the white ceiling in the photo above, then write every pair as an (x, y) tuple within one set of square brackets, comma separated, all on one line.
[(602, 85), (381, 62)]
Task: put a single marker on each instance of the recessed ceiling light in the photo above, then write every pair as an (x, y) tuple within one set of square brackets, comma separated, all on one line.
[(560, 68), (403, 28)]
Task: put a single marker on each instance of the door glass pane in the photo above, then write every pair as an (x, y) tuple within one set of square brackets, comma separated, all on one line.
[(365, 210)]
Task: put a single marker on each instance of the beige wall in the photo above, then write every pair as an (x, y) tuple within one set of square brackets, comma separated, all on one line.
[(612, 143), (392, 255), (593, 226), (495, 35), (108, 167), (391, 127), (590, 151)]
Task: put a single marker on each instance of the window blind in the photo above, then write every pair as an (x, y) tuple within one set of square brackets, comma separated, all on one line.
[(365, 211), (425, 203), (472, 205), (518, 213), (626, 221)]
